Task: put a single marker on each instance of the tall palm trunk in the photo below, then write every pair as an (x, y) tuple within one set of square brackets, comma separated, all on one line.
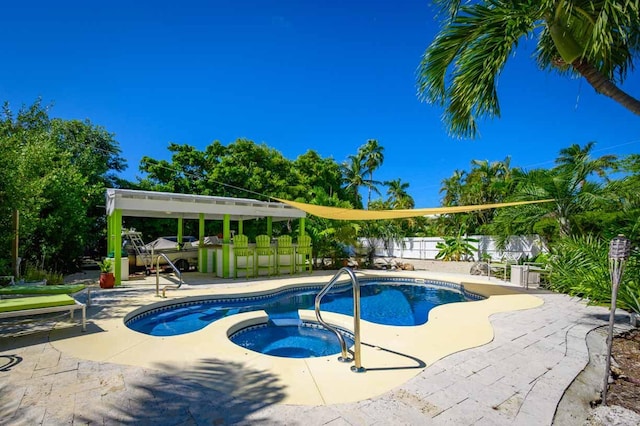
[(369, 198), (604, 86)]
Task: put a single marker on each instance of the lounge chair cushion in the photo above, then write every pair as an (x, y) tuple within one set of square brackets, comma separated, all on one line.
[(42, 289), (24, 303)]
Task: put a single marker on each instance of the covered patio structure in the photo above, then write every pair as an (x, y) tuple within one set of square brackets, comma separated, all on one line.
[(149, 204)]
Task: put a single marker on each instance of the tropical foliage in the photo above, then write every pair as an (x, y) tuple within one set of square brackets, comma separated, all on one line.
[(456, 248), (579, 267), (358, 171), (596, 40), (486, 183), (574, 195), (53, 173)]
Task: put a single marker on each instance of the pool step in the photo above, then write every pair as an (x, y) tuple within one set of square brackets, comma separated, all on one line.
[(285, 321)]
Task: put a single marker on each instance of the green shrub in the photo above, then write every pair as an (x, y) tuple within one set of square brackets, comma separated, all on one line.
[(35, 274), (580, 267), (5, 267), (32, 273), (456, 248)]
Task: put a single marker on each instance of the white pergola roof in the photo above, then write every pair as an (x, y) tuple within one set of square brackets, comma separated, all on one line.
[(169, 205)]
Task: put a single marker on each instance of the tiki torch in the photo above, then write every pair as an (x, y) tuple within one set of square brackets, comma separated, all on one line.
[(619, 249)]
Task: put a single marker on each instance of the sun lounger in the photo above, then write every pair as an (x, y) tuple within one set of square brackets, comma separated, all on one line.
[(27, 306), (16, 290)]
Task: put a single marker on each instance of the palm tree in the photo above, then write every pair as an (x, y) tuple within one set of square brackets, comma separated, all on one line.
[(372, 158), (353, 175), (597, 40), (571, 194), (491, 181), (452, 188), (579, 159), (329, 235), (483, 186), (399, 198), (354, 171)]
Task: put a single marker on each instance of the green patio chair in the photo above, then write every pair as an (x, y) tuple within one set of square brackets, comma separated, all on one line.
[(264, 248), (241, 250), (303, 254), (285, 251)]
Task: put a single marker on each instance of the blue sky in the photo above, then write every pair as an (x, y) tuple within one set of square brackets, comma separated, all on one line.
[(294, 74)]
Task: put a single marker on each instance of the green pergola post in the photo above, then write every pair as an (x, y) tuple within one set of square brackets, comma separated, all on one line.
[(179, 239), (117, 246), (110, 227), (301, 230), (226, 241), (269, 226), (240, 227), (203, 260)]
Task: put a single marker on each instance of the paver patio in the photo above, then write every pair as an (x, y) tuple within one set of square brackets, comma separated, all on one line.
[(517, 378)]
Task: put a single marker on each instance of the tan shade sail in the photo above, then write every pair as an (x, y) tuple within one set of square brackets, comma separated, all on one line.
[(353, 214)]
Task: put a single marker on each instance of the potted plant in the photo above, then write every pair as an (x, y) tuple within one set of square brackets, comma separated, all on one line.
[(107, 279)]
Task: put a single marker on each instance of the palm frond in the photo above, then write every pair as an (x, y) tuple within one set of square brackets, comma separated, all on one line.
[(460, 68)]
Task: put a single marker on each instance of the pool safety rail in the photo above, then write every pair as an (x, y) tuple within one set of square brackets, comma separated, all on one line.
[(344, 356), (175, 269)]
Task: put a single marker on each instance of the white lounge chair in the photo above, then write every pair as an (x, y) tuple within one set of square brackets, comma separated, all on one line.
[(27, 306)]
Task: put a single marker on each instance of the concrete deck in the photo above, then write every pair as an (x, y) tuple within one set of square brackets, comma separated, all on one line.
[(505, 360)]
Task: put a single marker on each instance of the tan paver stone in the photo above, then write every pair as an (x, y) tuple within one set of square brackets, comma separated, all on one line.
[(493, 419), (59, 410), (503, 351), (338, 422), (319, 414), (393, 412), (67, 364), (90, 383), (494, 395), (490, 375), (48, 359), (470, 367), (37, 393), (466, 412), (22, 371), (354, 415), (10, 398), (28, 416), (510, 407), (416, 401), (542, 400), (528, 419), (443, 400)]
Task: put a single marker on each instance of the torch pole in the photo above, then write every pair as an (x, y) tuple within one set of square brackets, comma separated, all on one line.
[(619, 250)]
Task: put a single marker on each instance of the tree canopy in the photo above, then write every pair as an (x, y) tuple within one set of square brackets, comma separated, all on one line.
[(595, 40), (53, 172)]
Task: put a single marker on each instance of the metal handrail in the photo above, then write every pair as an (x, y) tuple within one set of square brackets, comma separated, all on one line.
[(357, 368), (176, 270)]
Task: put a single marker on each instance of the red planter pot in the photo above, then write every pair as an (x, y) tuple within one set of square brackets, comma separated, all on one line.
[(107, 280)]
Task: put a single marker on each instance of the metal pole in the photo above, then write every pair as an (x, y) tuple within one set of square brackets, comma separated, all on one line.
[(619, 249), (357, 368)]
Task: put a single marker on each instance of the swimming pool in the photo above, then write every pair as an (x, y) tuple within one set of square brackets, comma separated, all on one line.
[(303, 339), (384, 300)]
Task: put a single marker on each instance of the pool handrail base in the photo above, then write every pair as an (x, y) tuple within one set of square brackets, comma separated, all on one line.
[(344, 357)]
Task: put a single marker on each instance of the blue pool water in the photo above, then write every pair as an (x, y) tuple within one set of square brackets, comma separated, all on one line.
[(389, 302), (303, 340)]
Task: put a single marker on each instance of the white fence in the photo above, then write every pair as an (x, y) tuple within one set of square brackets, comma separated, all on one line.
[(424, 248)]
